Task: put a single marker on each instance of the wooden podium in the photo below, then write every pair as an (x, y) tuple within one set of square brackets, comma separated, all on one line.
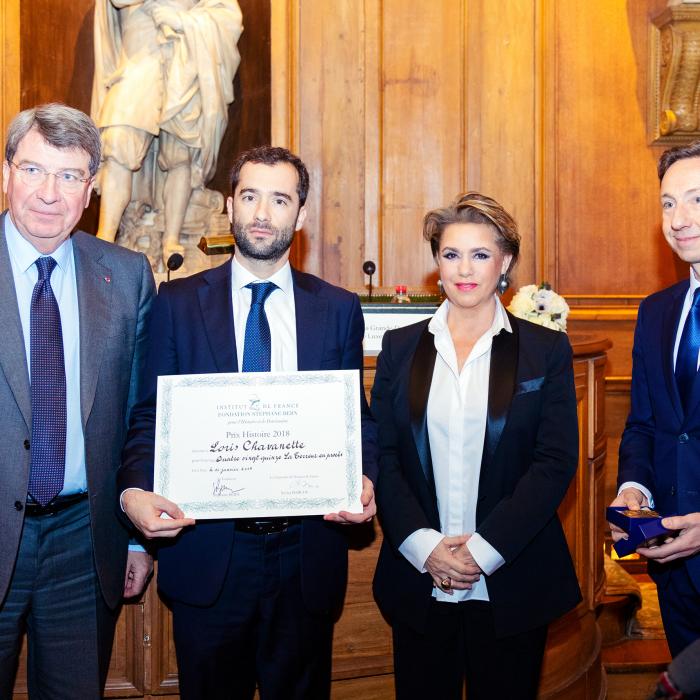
[(143, 660)]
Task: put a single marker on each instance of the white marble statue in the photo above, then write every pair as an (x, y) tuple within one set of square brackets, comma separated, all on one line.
[(163, 81)]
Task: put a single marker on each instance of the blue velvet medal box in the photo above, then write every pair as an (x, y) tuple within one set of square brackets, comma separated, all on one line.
[(640, 525)]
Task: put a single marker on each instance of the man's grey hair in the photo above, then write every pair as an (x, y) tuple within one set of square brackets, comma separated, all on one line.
[(60, 126)]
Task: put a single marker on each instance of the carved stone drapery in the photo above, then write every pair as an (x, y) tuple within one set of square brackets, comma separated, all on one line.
[(675, 89)]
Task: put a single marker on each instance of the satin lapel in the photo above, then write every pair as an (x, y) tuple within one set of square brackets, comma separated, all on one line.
[(420, 378), (668, 340), (13, 357), (502, 374), (216, 306), (310, 311), (94, 282)]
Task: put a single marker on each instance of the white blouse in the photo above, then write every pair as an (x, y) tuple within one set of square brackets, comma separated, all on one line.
[(456, 417)]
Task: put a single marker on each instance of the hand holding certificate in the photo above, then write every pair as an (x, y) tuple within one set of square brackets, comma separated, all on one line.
[(259, 444)]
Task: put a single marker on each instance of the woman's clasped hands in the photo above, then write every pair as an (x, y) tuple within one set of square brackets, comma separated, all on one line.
[(451, 564)]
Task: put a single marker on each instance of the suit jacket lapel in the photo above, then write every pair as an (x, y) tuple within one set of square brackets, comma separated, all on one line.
[(310, 311), (421, 376), (13, 357), (668, 341), (502, 374), (94, 283), (216, 306)]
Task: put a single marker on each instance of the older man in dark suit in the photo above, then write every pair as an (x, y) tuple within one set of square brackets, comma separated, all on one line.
[(73, 314)]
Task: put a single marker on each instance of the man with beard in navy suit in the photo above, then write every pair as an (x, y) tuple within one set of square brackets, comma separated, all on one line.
[(253, 600)]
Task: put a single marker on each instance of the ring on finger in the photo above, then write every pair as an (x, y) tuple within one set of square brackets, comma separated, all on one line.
[(446, 583)]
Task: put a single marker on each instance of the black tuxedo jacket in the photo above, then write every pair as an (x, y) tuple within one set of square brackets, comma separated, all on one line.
[(192, 332), (530, 455)]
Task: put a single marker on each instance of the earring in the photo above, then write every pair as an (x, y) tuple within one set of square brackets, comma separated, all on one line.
[(502, 283)]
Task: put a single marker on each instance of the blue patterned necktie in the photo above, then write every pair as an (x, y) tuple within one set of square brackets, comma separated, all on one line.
[(48, 389), (688, 348), (257, 346)]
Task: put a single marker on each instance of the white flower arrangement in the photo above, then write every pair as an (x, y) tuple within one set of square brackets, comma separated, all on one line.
[(540, 305)]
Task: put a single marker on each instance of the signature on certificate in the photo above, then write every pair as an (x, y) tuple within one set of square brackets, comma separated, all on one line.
[(220, 489)]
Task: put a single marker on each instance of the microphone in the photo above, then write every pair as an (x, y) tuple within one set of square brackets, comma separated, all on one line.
[(369, 268), (174, 263), (682, 677)]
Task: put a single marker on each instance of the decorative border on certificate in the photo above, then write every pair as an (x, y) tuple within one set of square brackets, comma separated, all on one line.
[(249, 446)]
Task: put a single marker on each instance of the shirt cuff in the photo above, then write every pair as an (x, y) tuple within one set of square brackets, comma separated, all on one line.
[(635, 485), (135, 547), (121, 495), (418, 546), (488, 558)]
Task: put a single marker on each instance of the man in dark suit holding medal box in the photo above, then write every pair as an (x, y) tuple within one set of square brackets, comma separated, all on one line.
[(659, 463)]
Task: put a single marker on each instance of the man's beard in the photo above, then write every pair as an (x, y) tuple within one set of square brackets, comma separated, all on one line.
[(270, 250)]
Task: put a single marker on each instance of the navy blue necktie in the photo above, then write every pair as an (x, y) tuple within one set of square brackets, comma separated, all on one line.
[(48, 389), (257, 347), (687, 359)]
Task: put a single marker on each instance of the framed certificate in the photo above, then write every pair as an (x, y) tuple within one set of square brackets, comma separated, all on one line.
[(259, 444)]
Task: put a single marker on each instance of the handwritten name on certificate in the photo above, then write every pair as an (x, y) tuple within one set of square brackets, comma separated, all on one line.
[(259, 444)]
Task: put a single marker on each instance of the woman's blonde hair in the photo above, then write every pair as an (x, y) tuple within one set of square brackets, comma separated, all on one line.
[(475, 208)]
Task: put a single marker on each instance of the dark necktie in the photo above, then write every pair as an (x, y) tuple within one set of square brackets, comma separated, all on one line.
[(48, 389), (257, 344), (687, 359)]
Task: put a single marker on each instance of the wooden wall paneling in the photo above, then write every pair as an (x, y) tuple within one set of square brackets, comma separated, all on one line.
[(162, 664), (9, 66), (597, 448), (617, 407), (570, 509), (598, 501), (283, 58), (422, 128), (605, 217), (396, 108), (596, 425), (57, 59), (126, 671), (362, 643), (501, 113), (543, 117), (374, 99), (618, 328), (330, 94), (20, 691), (547, 116), (362, 638), (372, 688)]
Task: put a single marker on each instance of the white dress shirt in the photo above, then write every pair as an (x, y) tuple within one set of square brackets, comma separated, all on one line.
[(23, 255), (687, 303), (457, 410), (280, 312)]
